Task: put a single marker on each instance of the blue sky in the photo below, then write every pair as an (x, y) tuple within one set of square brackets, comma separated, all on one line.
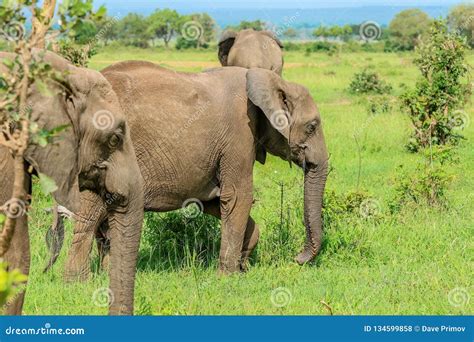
[(187, 4)]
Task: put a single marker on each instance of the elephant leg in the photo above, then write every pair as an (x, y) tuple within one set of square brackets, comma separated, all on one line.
[(92, 213), (103, 245), (235, 203), (252, 232)]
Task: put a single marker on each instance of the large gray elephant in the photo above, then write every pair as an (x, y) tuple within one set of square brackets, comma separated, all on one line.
[(94, 153), (251, 49), (197, 136)]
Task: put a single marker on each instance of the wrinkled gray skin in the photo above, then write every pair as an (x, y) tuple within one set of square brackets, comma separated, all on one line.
[(199, 139), (85, 156), (251, 49)]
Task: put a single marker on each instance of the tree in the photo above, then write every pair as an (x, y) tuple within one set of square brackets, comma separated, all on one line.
[(198, 29), (257, 25), (407, 28), (435, 105), (461, 19), (42, 21), (132, 30), (163, 24), (86, 33), (290, 33), (335, 31), (321, 31)]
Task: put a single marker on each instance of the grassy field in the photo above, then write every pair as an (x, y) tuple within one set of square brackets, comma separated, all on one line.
[(417, 261)]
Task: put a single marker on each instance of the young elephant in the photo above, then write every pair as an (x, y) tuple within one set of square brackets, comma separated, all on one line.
[(251, 49), (197, 136), (94, 153)]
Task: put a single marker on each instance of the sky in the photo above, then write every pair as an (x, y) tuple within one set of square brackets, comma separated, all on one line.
[(203, 4)]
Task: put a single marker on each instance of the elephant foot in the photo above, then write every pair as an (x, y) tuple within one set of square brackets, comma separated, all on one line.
[(244, 267), (226, 270)]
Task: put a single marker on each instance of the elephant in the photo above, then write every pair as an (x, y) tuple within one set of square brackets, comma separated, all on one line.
[(93, 153), (197, 137), (251, 49)]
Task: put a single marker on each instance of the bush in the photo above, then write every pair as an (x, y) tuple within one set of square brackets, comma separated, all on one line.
[(368, 82), (428, 184), (183, 44), (77, 55), (292, 46), (379, 105), (435, 105), (321, 47)]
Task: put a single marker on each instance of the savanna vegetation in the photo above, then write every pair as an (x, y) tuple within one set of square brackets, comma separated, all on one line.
[(398, 224), (387, 249)]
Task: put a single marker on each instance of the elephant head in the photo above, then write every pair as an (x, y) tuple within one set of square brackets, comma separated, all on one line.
[(94, 152), (251, 49), (292, 129)]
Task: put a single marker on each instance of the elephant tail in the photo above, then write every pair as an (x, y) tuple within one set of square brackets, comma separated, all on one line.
[(55, 234)]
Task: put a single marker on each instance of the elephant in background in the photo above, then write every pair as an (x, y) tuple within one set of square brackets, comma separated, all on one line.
[(251, 49), (197, 136), (94, 153)]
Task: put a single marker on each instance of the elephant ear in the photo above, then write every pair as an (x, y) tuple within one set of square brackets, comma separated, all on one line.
[(58, 161), (273, 36), (266, 90), (225, 44)]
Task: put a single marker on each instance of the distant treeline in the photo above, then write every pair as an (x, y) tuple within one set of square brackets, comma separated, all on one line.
[(168, 28)]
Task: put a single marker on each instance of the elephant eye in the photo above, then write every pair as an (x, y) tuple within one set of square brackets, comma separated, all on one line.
[(311, 127), (114, 140)]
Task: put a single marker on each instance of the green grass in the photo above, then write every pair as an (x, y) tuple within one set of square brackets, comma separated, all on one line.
[(405, 263)]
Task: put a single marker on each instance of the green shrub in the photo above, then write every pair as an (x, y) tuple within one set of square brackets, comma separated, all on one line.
[(379, 105), (428, 184), (292, 46), (435, 105), (321, 47), (368, 82), (78, 55), (183, 44)]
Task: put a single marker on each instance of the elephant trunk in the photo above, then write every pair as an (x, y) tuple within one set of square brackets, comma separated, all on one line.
[(314, 183), (125, 229), (125, 183)]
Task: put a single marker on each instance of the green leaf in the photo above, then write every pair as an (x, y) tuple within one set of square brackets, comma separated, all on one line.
[(2, 219), (43, 88), (101, 12), (48, 185), (41, 140), (55, 131)]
